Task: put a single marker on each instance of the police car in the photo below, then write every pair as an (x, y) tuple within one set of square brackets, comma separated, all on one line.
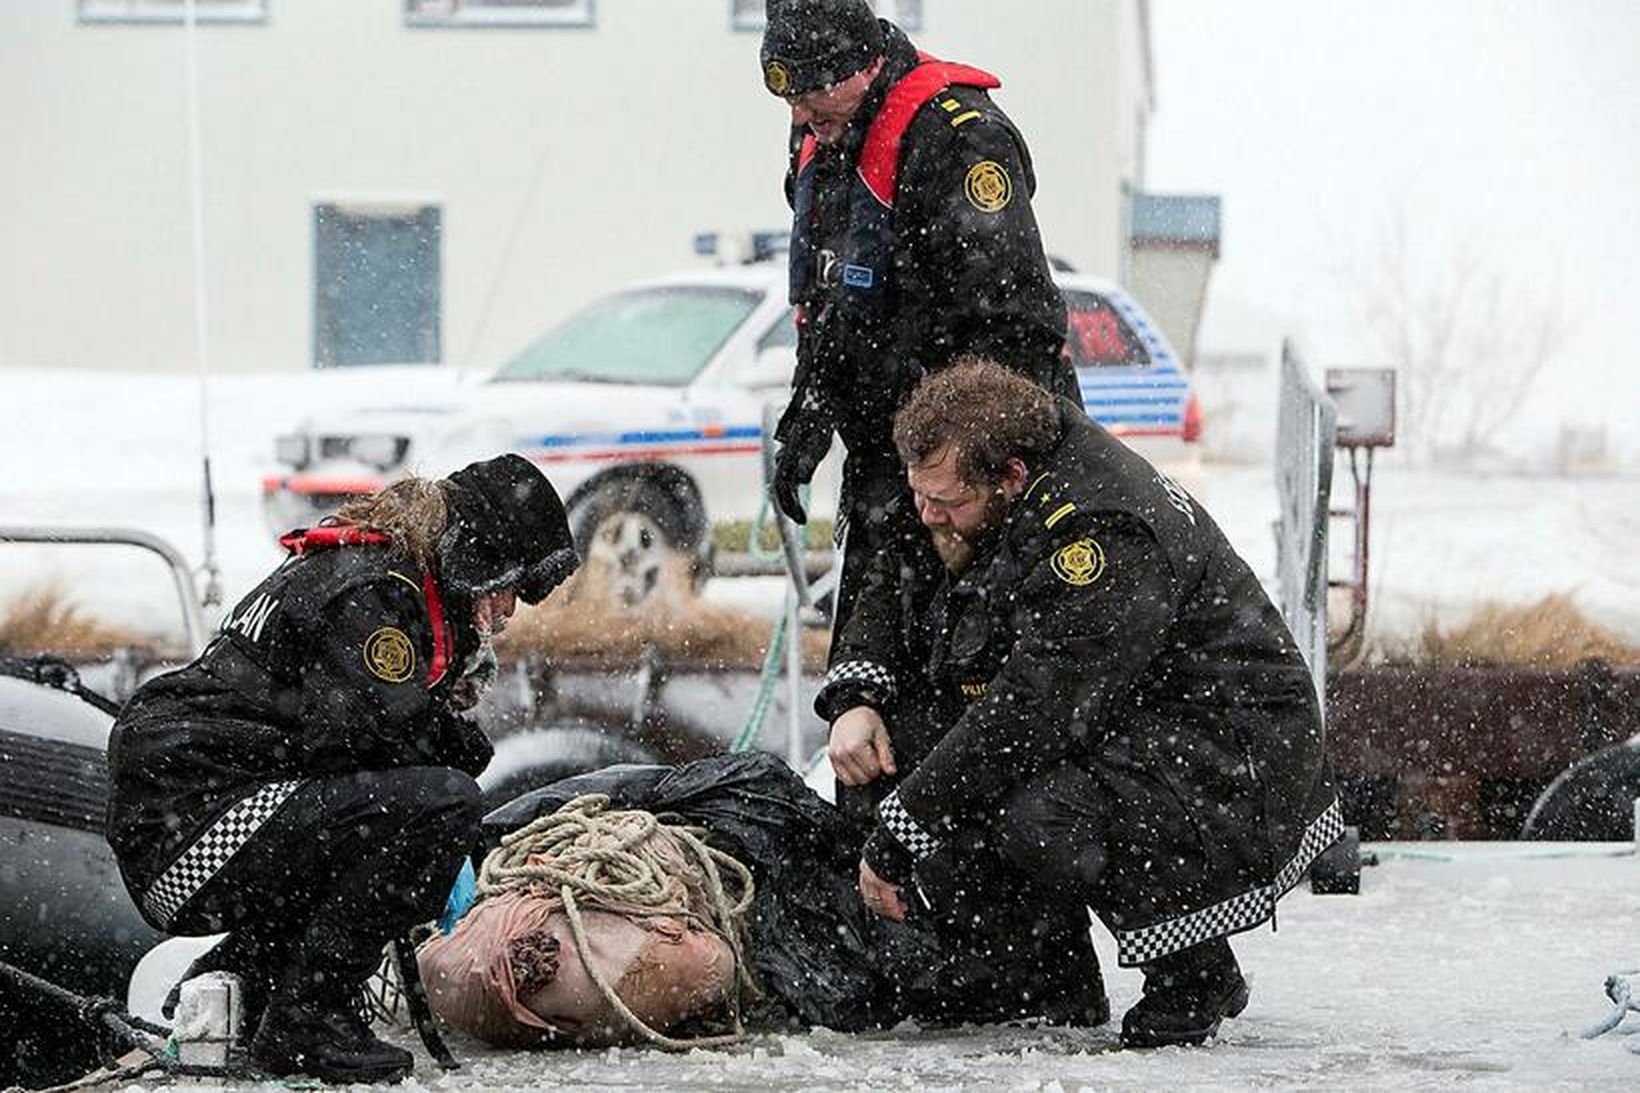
[(646, 409)]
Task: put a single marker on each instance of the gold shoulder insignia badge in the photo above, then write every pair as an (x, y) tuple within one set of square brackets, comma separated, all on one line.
[(1079, 563), (988, 186), (777, 78), (389, 655)]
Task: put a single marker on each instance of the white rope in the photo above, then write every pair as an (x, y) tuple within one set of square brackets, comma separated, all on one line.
[(1621, 993), (590, 856)]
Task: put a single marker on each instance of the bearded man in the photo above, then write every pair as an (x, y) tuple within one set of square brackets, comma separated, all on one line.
[(1092, 703)]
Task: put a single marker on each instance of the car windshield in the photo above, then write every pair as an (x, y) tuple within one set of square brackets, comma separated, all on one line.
[(652, 335)]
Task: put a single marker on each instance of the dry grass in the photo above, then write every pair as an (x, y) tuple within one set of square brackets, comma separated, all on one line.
[(1551, 633), (45, 621), (583, 620)]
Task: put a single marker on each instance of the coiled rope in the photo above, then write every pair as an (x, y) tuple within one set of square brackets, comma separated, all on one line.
[(590, 856)]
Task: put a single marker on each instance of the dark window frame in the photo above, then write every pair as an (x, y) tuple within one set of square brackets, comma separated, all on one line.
[(488, 15), (906, 14)]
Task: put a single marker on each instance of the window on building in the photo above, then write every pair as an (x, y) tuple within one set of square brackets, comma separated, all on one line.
[(376, 284), (498, 13), (749, 14), (172, 11)]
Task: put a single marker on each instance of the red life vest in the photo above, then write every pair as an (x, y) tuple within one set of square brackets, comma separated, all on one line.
[(863, 264), (305, 540)]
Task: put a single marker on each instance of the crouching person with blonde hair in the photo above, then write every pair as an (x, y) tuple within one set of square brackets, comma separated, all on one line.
[(306, 785)]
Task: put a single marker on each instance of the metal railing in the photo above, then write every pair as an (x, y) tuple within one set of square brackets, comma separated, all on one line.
[(1307, 425), (786, 641), (193, 622)]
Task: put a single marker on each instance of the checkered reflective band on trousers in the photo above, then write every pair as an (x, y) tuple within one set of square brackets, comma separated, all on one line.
[(211, 851), (1239, 912)]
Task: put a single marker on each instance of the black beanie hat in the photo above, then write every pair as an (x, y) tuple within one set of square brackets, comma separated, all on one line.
[(809, 44), (506, 527)]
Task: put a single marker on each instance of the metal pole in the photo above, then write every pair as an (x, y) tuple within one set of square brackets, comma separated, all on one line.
[(213, 583), (794, 683), (181, 576)]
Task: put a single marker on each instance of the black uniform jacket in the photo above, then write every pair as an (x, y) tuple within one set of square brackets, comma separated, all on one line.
[(1108, 624), (967, 275), (322, 669)]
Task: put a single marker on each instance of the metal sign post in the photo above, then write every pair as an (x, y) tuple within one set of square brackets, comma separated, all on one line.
[(1365, 398)]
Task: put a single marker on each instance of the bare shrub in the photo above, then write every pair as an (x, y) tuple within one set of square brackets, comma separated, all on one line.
[(44, 620), (584, 620), (1551, 633)]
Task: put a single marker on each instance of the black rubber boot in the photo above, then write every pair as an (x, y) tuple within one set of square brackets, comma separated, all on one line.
[(327, 1040), (1186, 995), (1086, 1006)]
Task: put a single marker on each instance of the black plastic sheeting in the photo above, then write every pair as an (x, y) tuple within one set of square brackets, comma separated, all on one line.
[(1594, 801), (814, 944)]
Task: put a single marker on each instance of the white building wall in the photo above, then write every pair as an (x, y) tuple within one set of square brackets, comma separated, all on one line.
[(650, 126)]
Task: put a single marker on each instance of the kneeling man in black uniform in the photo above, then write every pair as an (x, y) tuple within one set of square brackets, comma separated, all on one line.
[(306, 785), (1092, 699)]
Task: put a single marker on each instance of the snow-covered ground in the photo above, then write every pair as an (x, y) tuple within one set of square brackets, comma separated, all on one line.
[(1458, 966), (86, 448), (1475, 973)]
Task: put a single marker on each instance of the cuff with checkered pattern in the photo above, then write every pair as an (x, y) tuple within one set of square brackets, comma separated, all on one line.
[(853, 683), (906, 830)]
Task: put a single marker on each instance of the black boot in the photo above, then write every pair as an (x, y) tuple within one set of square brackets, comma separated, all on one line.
[(324, 1038), (1186, 995), (1084, 1006)]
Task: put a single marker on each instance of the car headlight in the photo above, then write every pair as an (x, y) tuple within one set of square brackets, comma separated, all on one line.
[(379, 451), (292, 448)]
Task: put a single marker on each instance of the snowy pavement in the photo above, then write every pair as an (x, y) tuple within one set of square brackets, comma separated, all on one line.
[(1473, 973)]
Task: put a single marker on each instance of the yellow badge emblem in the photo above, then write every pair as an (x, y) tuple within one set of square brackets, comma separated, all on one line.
[(988, 186), (777, 78), (389, 655), (1079, 563)]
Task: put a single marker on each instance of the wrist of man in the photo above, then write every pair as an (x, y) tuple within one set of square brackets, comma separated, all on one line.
[(854, 683), (887, 858)]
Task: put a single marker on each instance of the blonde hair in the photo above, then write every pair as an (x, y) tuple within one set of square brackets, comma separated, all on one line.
[(411, 512)]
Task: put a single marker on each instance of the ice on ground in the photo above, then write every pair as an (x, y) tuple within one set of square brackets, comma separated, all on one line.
[(1477, 972)]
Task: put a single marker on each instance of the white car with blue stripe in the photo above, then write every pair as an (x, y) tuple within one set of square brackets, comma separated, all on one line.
[(649, 403)]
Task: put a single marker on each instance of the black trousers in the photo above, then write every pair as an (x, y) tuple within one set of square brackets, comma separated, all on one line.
[(1013, 889), (348, 863)]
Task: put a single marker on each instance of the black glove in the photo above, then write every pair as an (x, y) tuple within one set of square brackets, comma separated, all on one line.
[(802, 451), (888, 859), (481, 671), (463, 745)]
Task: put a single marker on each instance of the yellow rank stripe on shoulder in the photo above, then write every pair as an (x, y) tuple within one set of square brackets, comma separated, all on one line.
[(406, 580), (1060, 513), (965, 117), (949, 105)]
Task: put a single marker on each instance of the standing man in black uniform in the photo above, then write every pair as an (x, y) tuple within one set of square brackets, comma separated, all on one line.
[(1097, 702), (913, 242), (306, 784)]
